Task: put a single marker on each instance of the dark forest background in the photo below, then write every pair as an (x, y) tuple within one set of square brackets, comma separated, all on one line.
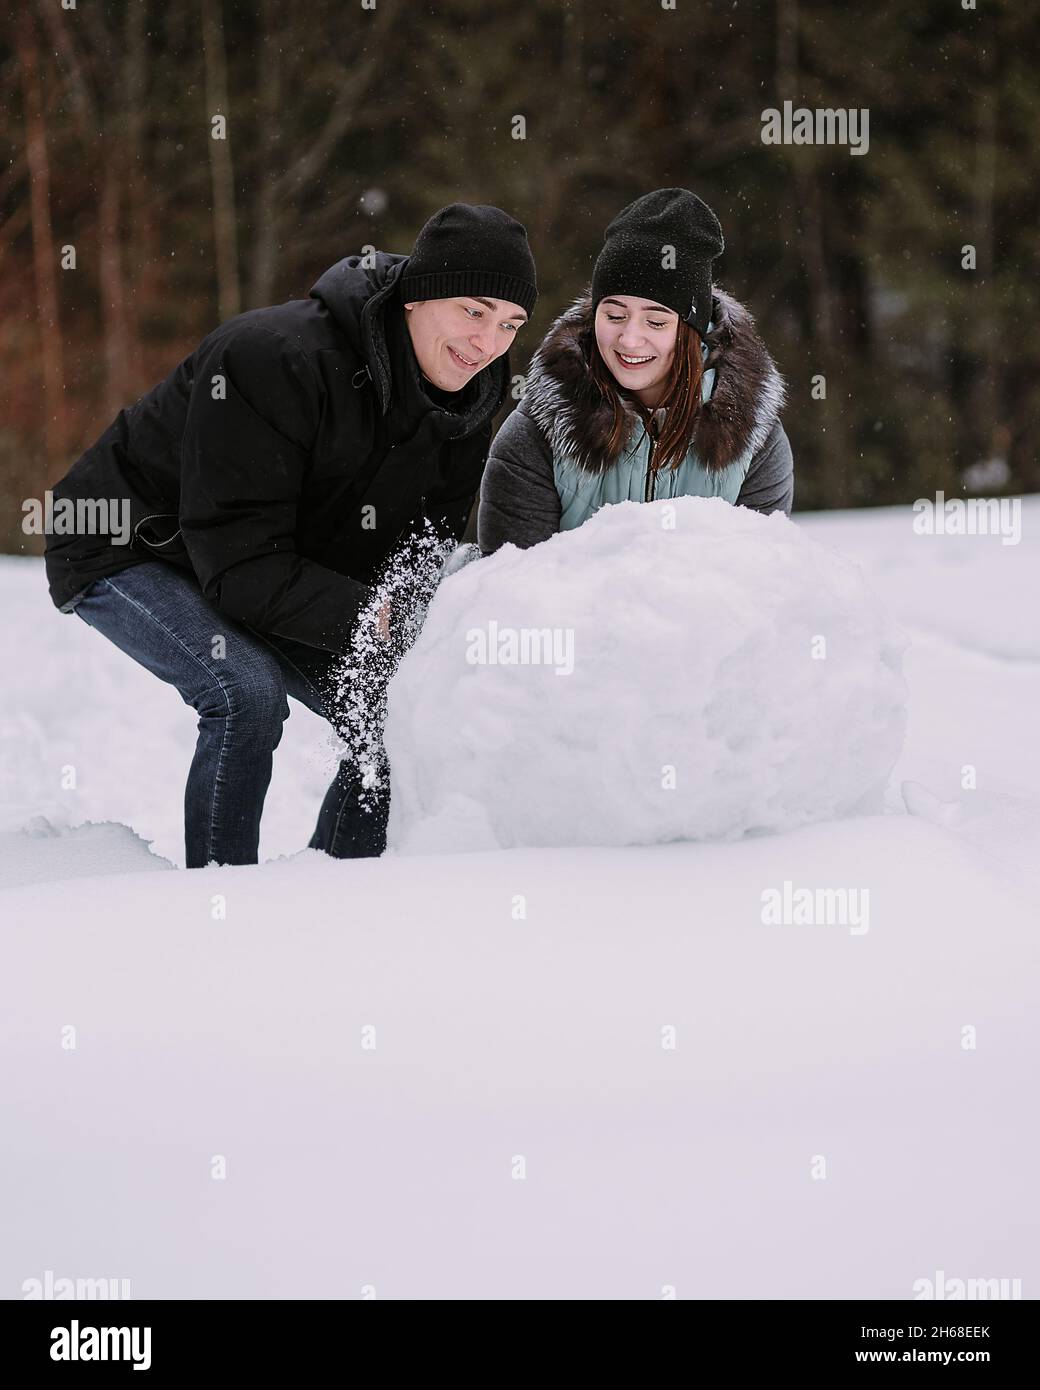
[(349, 125)]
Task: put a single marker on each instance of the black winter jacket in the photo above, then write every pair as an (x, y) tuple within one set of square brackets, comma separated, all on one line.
[(286, 496)]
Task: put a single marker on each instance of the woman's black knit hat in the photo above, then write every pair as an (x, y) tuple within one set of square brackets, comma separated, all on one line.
[(466, 249), (661, 247)]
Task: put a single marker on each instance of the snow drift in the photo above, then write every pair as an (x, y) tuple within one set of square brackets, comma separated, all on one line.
[(240, 1033), (681, 670)]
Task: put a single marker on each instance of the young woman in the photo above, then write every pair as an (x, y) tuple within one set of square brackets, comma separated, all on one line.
[(653, 384)]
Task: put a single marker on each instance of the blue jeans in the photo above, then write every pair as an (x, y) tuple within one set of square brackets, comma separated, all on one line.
[(157, 614)]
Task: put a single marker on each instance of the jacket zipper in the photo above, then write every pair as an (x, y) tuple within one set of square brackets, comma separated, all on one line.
[(422, 518), (650, 484)]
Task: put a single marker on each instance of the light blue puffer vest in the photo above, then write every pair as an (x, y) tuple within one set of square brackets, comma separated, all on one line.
[(583, 493)]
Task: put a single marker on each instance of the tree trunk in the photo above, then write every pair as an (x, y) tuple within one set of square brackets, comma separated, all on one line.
[(983, 330), (110, 274), (138, 251), (266, 212), (45, 262), (225, 231), (806, 213)]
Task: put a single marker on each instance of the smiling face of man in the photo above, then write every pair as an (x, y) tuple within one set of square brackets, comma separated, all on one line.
[(453, 339)]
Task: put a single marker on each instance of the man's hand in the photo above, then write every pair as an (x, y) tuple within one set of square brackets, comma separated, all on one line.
[(383, 622)]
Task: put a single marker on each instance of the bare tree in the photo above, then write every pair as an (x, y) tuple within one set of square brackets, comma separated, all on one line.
[(79, 49), (225, 225), (45, 265), (266, 220), (805, 210)]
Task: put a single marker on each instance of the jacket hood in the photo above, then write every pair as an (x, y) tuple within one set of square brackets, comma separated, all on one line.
[(730, 426), (357, 292), (346, 287)]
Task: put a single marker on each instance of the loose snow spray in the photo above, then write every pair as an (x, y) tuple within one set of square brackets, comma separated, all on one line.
[(361, 683), (730, 676)]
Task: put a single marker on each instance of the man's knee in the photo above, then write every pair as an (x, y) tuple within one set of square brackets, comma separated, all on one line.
[(249, 691)]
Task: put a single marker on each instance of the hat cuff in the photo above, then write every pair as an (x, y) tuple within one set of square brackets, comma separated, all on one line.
[(449, 284)]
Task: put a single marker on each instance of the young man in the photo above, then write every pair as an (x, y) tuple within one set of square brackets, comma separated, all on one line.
[(269, 478)]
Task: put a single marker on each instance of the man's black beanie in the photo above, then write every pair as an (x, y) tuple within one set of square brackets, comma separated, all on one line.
[(661, 247), (471, 250)]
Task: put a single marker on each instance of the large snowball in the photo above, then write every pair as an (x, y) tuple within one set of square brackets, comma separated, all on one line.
[(671, 670)]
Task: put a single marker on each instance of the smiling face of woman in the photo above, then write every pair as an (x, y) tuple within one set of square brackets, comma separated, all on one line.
[(456, 338), (636, 339)]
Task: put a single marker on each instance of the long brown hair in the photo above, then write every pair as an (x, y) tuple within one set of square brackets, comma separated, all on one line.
[(681, 398)]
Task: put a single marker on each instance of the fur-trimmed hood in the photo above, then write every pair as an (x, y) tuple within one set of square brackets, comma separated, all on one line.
[(731, 425)]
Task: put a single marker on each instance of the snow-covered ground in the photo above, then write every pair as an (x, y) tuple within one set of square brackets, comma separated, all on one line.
[(595, 1072)]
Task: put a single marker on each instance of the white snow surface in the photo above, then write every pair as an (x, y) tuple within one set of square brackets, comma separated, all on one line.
[(683, 670), (524, 1126)]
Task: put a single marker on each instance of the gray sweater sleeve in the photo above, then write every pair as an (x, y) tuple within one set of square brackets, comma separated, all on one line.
[(769, 485), (518, 498)]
